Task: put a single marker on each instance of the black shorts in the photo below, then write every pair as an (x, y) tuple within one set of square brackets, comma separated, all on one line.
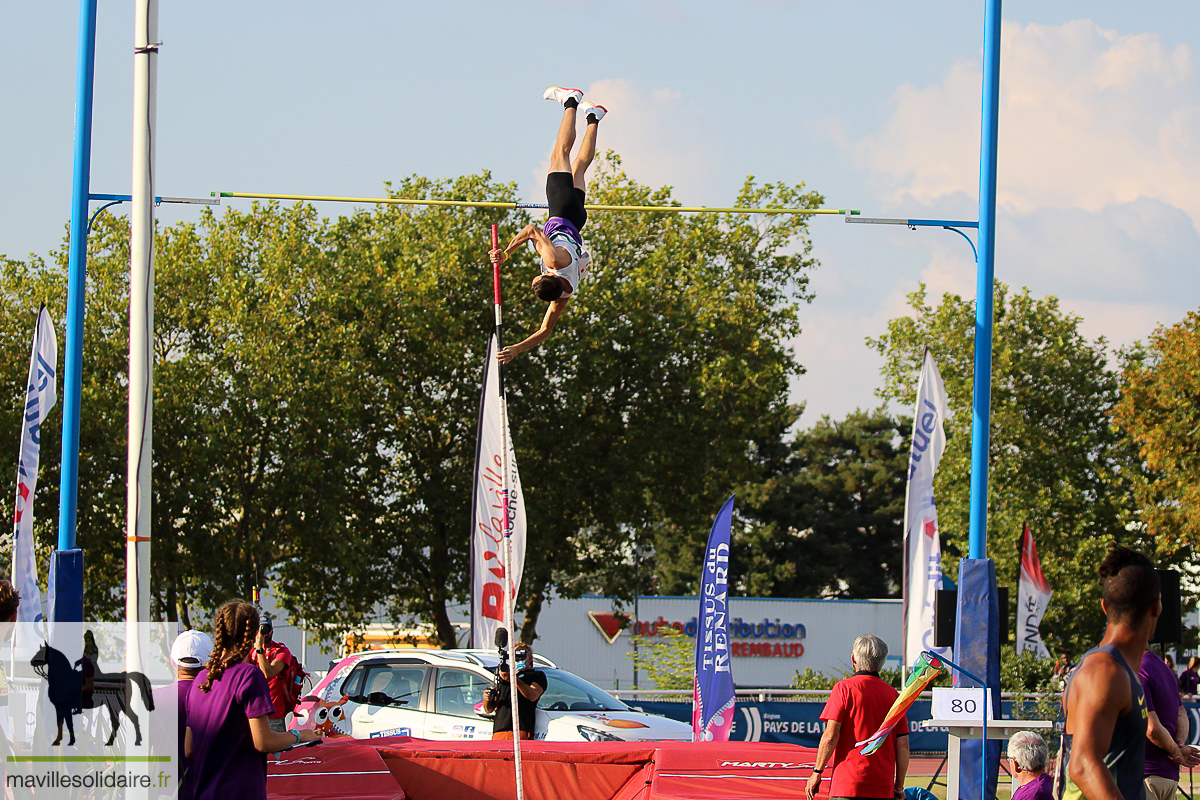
[(564, 199)]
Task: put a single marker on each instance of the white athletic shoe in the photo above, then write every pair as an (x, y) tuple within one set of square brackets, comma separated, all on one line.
[(560, 95), (591, 111)]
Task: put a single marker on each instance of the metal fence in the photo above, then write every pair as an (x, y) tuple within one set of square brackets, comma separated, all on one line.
[(793, 716)]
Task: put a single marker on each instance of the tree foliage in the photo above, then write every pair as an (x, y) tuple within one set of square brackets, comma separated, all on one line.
[(317, 385), (1160, 412), (668, 660), (830, 520), (1055, 459), (23, 287)]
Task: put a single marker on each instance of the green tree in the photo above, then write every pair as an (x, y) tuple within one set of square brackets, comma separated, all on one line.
[(304, 435), (257, 445), (831, 519), (1159, 410), (317, 385), (813, 679), (23, 287), (668, 660), (100, 528), (1055, 459)]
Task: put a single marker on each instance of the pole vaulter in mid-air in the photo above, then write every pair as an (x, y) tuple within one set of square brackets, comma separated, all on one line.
[(559, 243)]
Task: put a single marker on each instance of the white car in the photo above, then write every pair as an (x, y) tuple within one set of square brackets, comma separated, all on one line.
[(438, 694)]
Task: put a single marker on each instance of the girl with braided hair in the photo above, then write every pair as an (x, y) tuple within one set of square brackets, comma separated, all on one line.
[(228, 733)]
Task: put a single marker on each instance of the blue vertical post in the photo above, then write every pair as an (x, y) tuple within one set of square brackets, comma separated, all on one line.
[(977, 648), (978, 638), (76, 279), (985, 277)]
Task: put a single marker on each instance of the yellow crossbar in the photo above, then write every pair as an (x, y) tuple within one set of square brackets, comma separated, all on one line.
[(485, 204)]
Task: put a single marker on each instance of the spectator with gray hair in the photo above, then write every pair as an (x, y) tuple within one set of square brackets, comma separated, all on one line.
[(856, 707), (1027, 758)]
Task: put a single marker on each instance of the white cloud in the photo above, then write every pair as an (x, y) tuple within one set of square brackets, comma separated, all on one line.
[(842, 370), (1088, 118), (951, 270), (654, 132), (1121, 323), (1099, 174), (1138, 252)]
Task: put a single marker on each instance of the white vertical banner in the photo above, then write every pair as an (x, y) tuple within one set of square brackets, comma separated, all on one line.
[(40, 397), (487, 513), (922, 545), (1033, 596)]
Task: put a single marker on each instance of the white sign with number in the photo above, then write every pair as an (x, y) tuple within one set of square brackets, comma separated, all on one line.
[(961, 705)]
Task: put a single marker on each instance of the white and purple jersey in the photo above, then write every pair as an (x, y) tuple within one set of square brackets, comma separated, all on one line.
[(563, 233), (558, 225)]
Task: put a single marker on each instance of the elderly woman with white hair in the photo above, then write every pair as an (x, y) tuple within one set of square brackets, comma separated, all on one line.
[(1028, 757)]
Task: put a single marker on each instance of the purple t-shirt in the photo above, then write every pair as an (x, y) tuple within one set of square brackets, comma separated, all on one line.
[(225, 765), (176, 692), (1189, 681), (1162, 697), (1040, 788)]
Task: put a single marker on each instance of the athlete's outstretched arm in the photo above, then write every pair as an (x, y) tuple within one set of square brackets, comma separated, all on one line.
[(555, 311), (545, 248)]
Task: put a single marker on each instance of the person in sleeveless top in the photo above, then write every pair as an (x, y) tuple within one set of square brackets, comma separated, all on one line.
[(559, 242), (1104, 745)]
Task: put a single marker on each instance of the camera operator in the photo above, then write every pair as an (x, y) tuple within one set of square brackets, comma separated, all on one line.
[(531, 683)]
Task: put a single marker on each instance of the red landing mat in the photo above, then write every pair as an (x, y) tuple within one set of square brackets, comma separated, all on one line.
[(411, 769)]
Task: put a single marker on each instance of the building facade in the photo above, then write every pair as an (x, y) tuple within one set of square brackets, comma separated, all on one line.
[(770, 639)]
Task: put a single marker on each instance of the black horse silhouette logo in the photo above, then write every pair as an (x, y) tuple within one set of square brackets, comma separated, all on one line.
[(112, 690)]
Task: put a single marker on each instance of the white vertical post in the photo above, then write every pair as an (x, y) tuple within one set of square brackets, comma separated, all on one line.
[(141, 331), (509, 595)]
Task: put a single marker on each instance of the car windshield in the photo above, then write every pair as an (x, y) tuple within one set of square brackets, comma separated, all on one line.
[(567, 692)]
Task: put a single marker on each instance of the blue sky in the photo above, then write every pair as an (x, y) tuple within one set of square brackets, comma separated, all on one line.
[(874, 104)]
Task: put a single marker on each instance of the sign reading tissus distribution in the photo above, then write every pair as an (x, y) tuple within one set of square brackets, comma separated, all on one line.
[(771, 640), (756, 639)]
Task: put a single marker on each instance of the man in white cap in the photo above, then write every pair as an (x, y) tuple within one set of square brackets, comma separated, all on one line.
[(189, 653)]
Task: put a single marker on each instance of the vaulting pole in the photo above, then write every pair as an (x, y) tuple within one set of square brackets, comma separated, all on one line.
[(509, 598)]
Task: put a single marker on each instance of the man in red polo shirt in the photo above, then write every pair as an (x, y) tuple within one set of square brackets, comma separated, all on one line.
[(269, 656), (856, 707)]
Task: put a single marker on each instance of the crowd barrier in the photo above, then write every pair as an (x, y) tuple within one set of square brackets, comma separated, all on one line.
[(800, 722)]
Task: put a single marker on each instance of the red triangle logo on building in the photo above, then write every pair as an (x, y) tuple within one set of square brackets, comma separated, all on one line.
[(609, 623)]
